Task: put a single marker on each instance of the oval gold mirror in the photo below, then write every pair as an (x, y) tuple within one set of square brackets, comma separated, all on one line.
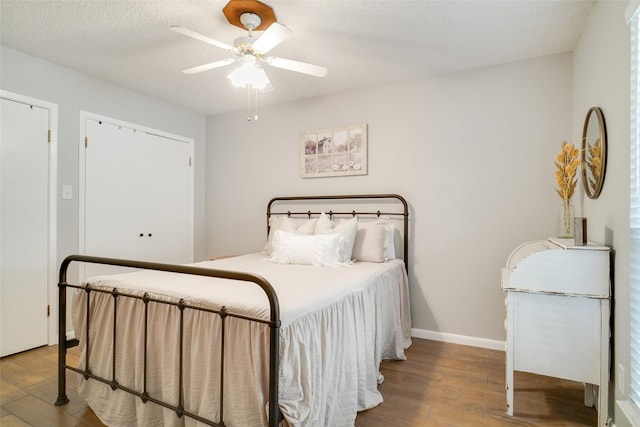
[(594, 152)]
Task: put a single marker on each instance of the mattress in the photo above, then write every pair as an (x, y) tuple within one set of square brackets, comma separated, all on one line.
[(337, 325)]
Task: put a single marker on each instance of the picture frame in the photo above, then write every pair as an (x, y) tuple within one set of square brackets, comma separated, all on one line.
[(338, 151)]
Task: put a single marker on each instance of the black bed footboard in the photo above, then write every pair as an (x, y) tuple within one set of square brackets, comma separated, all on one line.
[(274, 414)]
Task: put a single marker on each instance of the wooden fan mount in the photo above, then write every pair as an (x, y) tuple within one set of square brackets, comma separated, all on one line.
[(235, 8)]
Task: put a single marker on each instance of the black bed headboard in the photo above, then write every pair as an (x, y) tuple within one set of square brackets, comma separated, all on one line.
[(296, 205)]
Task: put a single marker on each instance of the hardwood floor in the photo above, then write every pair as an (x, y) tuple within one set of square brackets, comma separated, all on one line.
[(451, 385), (439, 384), (29, 388)]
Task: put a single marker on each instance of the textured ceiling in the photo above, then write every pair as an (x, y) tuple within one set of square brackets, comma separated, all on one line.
[(362, 43)]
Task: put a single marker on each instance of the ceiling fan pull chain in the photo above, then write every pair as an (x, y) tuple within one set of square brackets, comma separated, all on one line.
[(249, 102), (256, 116)]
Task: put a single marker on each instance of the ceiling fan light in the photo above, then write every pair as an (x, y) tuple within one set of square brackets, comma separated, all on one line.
[(260, 79), (249, 74)]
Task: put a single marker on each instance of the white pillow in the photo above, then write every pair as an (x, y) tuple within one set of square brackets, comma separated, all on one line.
[(321, 250), (375, 241), (347, 228), (390, 241), (298, 226), (302, 226), (328, 250)]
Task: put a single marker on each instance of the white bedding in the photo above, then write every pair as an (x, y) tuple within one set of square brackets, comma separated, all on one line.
[(338, 323)]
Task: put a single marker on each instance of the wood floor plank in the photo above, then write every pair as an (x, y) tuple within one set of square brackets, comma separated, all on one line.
[(10, 392), (13, 421), (40, 413)]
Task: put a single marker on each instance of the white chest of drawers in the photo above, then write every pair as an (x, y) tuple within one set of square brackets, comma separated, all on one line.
[(558, 316)]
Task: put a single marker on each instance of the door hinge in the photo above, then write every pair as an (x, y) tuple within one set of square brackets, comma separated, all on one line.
[(86, 141), (189, 161), (48, 310), (49, 136)]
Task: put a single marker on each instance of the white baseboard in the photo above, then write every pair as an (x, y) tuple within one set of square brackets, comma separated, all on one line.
[(458, 339)]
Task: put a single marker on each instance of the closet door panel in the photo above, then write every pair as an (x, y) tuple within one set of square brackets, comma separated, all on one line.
[(24, 226), (113, 189), (167, 222)]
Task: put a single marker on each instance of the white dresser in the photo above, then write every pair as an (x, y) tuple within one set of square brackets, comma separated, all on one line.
[(558, 316)]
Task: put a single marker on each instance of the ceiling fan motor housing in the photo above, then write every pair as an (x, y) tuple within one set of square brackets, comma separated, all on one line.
[(235, 9), (251, 21)]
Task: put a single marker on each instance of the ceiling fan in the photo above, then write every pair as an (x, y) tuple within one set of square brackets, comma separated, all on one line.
[(249, 51)]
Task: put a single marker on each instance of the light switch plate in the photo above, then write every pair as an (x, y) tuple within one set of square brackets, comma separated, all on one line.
[(67, 192)]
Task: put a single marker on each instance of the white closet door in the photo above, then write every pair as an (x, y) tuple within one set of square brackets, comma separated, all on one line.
[(24, 226), (165, 163), (112, 191), (138, 196)]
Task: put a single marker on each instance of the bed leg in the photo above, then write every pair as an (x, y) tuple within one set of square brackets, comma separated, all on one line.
[(62, 344), (275, 415)]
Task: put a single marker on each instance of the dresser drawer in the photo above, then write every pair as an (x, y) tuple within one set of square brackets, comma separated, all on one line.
[(557, 335)]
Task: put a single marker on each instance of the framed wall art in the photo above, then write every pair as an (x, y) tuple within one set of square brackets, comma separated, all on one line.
[(335, 151)]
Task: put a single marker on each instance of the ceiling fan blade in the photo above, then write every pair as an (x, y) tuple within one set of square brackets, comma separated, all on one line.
[(273, 36), (209, 66), (300, 67), (197, 36)]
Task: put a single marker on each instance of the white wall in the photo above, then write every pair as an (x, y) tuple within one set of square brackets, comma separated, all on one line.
[(472, 152), (73, 92), (601, 78)]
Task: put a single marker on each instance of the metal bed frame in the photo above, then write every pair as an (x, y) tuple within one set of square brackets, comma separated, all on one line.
[(274, 413)]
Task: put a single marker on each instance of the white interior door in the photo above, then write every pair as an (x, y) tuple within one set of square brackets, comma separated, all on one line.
[(24, 226), (112, 191), (138, 195), (167, 217)]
